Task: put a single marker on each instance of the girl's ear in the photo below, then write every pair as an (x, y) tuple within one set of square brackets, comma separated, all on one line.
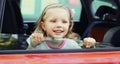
[(42, 24)]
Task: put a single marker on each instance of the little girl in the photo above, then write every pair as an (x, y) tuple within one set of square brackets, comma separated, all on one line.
[(55, 22)]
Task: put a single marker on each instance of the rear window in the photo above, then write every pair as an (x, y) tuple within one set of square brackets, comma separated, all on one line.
[(32, 9)]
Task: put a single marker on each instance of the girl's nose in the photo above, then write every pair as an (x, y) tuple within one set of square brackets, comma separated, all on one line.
[(59, 24)]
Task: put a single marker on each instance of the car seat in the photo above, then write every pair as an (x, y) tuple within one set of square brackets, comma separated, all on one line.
[(112, 37), (98, 28)]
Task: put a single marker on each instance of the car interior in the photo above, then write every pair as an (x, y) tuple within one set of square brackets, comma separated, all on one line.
[(99, 19), (101, 22)]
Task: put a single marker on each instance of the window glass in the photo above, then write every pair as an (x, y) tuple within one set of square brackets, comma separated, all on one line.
[(32, 9), (97, 3)]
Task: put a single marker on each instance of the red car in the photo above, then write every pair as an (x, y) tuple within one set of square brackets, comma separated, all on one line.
[(99, 19)]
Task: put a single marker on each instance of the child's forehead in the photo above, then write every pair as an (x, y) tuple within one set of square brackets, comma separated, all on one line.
[(57, 11), (54, 11)]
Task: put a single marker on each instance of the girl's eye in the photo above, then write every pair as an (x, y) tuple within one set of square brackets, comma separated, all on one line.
[(53, 21), (64, 21)]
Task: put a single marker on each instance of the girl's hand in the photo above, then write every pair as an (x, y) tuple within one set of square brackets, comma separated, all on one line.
[(35, 39), (88, 42), (37, 36)]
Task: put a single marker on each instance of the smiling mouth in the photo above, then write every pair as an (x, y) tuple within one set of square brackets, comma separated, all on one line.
[(58, 32)]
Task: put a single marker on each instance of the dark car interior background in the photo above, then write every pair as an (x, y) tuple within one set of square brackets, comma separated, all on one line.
[(101, 23)]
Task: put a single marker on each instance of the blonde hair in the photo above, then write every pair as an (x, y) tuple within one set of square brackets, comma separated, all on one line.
[(38, 26)]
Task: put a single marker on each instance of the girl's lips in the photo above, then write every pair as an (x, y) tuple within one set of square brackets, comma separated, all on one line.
[(58, 32)]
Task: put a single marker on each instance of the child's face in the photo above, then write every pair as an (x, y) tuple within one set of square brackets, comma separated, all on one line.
[(56, 22)]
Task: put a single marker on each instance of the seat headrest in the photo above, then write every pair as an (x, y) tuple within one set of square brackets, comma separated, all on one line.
[(112, 36), (103, 11), (115, 41)]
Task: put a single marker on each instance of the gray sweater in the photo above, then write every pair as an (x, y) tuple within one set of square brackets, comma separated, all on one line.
[(67, 44)]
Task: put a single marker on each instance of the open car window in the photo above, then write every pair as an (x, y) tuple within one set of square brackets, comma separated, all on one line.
[(83, 11), (99, 19), (84, 21), (32, 10)]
